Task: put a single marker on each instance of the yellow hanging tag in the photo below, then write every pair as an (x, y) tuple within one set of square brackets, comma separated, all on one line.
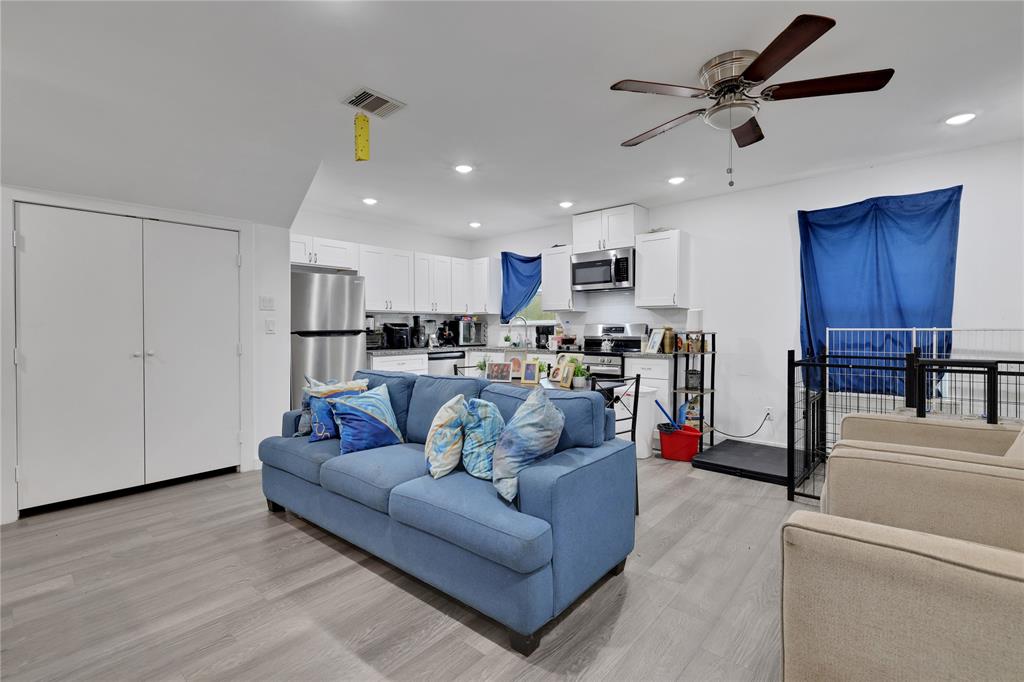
[(362, 129)]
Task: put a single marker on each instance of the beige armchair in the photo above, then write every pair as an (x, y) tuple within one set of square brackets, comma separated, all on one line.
[(915, 570)]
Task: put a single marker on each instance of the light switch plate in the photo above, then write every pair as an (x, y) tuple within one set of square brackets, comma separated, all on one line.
[(266, 303), (270, 325)]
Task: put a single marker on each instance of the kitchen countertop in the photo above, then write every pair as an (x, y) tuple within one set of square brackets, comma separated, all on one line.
[(447, 349)]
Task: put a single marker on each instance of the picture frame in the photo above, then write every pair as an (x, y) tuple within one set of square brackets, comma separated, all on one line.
[(516, 359), (568, 372), (531, 373), (499, 372), (654, 341)]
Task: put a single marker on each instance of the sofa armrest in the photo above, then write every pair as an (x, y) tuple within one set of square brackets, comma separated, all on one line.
[(970, 500), (869, 602), (588, 497), (953, 434), (290, 423)]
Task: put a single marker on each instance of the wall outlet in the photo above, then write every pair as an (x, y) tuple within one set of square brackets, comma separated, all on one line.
[(770, 412)]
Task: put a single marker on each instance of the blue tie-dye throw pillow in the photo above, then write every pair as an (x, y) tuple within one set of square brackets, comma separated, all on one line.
[(321, 418), (443, 447), (367, 420), (482, 426), (530, 435)]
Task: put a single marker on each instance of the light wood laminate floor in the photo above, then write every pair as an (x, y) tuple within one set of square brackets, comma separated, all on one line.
[(199, 581)]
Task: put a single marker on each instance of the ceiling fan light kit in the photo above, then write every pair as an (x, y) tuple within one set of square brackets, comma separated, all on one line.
[(729, 78)]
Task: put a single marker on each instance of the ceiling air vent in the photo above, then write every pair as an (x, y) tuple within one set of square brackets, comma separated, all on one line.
[(375, 103)]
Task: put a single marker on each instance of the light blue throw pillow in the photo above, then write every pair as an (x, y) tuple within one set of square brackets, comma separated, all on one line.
[(367, 420), (443, 447), (530, 435), (483, 426)]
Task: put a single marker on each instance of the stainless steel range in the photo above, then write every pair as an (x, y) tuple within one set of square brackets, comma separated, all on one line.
[(605, 347)]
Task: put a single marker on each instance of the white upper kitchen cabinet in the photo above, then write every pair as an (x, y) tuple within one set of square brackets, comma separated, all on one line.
[(556, 279), (333, 253), (663, 270), (300, 247), (400, 277), (433, 283), (587, 233), (441, 284), (389, 278), (422, 276), (330, 253), (611, 228), (485, 285), (460, 286)]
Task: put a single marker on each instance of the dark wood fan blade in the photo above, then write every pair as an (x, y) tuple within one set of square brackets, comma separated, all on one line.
[(863, 81), (748, 133), (796, 38), (651, 88), (663, 128)]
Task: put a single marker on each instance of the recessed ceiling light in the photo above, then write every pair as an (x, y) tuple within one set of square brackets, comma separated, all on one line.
[(565, 204), (960, 119), (463, 168), (474, 225), (369, 201), (678, 180)]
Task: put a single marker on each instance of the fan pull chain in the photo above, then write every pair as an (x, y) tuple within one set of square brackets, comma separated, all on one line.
[(728, 139)]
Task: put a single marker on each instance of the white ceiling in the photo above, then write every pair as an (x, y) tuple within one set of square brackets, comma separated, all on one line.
[(230, 108)]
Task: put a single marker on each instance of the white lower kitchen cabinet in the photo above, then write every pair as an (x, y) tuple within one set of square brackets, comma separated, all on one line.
[(662, 270), (556, 279), (487, 356), (415, 363), (654, 373)]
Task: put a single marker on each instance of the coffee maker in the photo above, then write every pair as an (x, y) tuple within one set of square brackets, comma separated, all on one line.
[(544, 334), (417, 334), (396, 334)]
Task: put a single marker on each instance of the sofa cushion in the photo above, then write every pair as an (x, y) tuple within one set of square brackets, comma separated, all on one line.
[(366, 420), (297, 455), (369, 475), (466, 511), (584, 412), (399, 391), (429, 394)]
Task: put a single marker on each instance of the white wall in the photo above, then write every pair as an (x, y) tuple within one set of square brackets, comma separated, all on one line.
[(271, 354), (264, 378), (319, 222), (746, 272)]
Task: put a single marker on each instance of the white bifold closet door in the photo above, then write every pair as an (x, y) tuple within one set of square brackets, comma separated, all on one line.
[(79, 352), (191, 349)]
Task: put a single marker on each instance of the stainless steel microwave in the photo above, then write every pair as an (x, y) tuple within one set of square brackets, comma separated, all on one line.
[(608, 269)]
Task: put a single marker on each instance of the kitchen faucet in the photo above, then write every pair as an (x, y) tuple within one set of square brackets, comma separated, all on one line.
[(525, 326)]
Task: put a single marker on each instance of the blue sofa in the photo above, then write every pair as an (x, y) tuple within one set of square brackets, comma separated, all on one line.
[(520, 564)]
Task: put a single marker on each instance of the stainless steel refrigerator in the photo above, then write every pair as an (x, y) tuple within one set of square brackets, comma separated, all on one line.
[(328, 339)]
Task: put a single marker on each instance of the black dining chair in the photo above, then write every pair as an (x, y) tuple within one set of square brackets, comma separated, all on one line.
[(611, 400)]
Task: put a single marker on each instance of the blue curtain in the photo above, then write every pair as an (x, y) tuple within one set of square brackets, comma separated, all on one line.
[(520, 281), (882, 262)]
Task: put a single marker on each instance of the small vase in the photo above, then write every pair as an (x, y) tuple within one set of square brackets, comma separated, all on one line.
[(579, 382)]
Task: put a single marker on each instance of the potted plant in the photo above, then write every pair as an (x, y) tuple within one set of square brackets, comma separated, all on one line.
[(482, 364), (579, 374)]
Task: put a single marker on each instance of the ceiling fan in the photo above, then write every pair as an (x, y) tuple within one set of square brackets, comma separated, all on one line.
[(729, 77)]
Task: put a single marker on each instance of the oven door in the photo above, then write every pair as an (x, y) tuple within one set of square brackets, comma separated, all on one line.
[(600, 270)]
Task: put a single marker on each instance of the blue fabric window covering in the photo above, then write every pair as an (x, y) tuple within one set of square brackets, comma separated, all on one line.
[(885, 262), (520, 282)]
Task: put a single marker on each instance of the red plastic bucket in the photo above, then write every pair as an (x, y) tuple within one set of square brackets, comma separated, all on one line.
[(678, 444)]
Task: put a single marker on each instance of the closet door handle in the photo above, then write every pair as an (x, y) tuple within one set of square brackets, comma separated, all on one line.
[(137, 354), (150, 353)]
